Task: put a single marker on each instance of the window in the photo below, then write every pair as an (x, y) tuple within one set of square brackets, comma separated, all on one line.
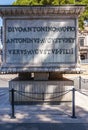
[(82, 57), (81, 41)]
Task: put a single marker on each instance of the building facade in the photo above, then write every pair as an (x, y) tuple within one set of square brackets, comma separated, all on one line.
[(83, 44)]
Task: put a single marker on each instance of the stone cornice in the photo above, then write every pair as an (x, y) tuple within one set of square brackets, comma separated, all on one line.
[(41, 10)]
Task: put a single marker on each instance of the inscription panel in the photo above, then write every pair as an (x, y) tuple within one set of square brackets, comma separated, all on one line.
[(40, 42)]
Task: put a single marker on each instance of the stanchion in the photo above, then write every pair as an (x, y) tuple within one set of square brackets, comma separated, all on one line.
[(43, 96), (80, 82), (73, 103), (12, 95)]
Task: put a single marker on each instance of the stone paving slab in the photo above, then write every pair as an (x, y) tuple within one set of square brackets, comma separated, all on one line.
[(41, 114)]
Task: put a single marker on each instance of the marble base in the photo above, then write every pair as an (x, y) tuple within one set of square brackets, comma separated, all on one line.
[(41, 91)]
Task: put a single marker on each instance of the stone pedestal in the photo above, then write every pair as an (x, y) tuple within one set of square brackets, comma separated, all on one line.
[(40, 43), (41, 76), (55, 76), (40, 91)]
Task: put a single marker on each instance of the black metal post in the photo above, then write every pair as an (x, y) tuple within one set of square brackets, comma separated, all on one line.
[(79, 82), (43, 96), (73, 103), (12, 103)]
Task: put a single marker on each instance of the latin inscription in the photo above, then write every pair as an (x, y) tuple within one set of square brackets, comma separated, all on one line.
[(38, 51), (40, 41), (41, 29)]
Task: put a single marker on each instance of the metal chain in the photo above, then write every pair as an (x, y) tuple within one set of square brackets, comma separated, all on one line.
[(82, 93), (3, 92), (41, 93)]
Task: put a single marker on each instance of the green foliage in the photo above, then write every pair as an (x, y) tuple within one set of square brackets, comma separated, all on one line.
[(43, 2), (83, 17), (26, 2)]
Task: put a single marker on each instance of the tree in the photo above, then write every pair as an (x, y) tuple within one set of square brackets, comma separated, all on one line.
[(84, 15), (82, 18), (43, 2), (26, 2)]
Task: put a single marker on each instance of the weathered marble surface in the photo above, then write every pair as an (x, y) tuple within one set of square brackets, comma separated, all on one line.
[(26, 89), (49, 55)]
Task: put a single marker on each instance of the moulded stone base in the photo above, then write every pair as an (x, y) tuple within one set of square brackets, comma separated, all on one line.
[(41, 91)]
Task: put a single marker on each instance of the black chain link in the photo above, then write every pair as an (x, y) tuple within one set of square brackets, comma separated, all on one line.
[(65, 92), (80, 91), (3, 92), (41, 92)]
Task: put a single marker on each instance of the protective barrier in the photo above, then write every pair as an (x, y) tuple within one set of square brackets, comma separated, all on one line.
[(62, 93)]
